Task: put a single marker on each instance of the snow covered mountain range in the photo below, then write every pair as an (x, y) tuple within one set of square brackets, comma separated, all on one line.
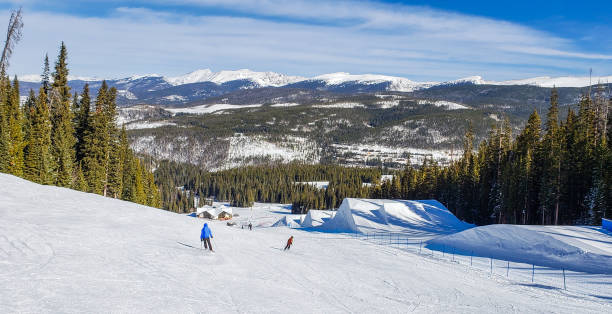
[(202, 84)]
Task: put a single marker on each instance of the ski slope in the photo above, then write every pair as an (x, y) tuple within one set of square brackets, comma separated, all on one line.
[(63, 251)]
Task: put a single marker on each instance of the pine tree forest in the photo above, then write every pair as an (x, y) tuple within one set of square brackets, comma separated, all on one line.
[(70, 140), (551, 172)]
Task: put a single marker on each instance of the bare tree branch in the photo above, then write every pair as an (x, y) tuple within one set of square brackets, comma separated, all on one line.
[(13, 35)]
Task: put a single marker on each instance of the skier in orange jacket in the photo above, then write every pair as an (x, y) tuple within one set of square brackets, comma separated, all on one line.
[(289, 242)]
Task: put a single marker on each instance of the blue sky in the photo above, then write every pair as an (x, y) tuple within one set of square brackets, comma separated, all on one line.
[(421, 40)]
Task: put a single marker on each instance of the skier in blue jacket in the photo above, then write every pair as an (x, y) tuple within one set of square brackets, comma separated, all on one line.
[(205, 237)]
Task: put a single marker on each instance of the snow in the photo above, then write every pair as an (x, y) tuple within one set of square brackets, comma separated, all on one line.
[(586, 249), (443, 103), (175, 98), (36, 78), (341, 105), (477, 80), (316, 184), (148, 125), (315, 218), (243, 149), (420, 219), (204, 109), (396, 83), (563, 81), (386, 177), (127, 94), (262, 79), (399, 84), (286, 221), (63, 251), (288, 104), (394, 153)]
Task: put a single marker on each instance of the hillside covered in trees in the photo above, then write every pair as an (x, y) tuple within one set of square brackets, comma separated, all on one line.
[(555, 173), (70, 140)]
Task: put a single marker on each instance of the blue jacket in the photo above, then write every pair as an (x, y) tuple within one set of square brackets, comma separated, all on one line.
[(206, 233)]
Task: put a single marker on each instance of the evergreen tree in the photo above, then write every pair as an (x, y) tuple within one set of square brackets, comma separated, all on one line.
[(4, 125), (15, 130), (551, 160), (62, 133), (45, 77), (82, 118), (95, 147), (38, 159)]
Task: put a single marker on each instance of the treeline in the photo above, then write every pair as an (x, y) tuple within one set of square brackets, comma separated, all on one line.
[(180, 184), (556, 173), (67, 140)]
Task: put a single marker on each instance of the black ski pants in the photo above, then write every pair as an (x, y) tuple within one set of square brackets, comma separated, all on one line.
[(207, 244)]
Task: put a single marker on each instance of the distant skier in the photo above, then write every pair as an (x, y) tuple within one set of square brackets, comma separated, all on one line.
[(205, 237), (289, 242), (250, 226)]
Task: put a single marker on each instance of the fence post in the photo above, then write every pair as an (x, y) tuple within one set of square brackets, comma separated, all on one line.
[(564, 287), (508, 269), (491, 266), (420, 246), (471, 258), (532, 272), (453, 254)]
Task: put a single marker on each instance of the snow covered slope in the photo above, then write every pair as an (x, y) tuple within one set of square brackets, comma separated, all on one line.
[(418, 218), (286, 221), (262, 79), (63, 251), (315, 218), (586, 249), (563, 81), (398, 84)]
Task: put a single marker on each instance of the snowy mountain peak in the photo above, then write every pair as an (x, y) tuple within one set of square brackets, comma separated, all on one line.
[(562, 81), (36, 78), (196, 76), (260, 78), (343, 77), (476, 80), (396, 83)]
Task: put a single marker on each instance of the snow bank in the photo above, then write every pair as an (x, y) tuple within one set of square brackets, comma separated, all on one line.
[(204, 109), (148, 125), (286, 221), (420, 218), (315, 218), (585, 249)]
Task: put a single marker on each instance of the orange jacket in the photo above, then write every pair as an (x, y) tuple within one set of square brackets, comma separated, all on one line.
[(290, 241)]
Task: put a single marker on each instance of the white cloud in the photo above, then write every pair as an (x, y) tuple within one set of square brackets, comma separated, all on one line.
[(300, 38)]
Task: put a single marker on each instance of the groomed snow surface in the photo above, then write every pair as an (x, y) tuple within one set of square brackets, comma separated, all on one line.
[(579, 248), (67, 251)]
